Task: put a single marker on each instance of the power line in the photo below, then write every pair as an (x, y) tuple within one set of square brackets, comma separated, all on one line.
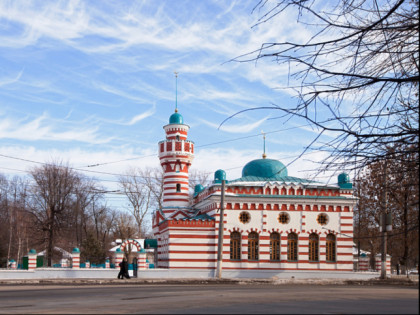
[(201, 146)]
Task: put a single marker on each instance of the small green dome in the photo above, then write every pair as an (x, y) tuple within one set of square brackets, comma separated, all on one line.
[(118, 250), (176, 118), (198, 188), (76, 250), (343, 178), (264, 168), (32, 251), (219, 175), (344, 181)]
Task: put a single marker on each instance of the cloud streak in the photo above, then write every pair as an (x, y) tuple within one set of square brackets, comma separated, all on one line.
[(39, 129)]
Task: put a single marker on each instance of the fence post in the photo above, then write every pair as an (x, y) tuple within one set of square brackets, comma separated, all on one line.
[(12, 264), (119, 255), (141, 261), (32, 259), (75, 254)]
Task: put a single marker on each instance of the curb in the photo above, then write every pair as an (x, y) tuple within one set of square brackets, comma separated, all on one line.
[(135, 281)]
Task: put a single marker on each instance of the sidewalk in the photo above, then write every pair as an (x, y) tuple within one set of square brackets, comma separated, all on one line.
[(393, 280)]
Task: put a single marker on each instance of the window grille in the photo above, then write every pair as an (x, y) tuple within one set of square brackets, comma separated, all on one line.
[(283, 218), (322, 219), (253, 246), (331, 248), (292, 247), (275, 246), (313, 247), (244, 217), (235, 246)]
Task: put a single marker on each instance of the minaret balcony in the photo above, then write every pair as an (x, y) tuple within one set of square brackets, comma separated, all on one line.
[(176, 147)]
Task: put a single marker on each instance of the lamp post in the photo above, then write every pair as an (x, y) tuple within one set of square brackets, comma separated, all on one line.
[(386, 226), (220, 238)]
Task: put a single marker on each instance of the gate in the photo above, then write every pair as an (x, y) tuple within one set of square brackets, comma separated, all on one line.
[(135, 267)]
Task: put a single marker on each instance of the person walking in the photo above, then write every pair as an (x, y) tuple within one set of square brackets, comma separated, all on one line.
[(123, 269)]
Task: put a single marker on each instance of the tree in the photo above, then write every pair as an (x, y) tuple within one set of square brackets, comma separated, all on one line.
[(14, 221), (139, 195), (389, 186), (357, 76), (153, 179), (93, 250), (52, 200)]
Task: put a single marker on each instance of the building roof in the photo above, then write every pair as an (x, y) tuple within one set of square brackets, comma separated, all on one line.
[(276, 178)]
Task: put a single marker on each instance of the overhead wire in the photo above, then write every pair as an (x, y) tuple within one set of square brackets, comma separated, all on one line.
[(201, 146), (139, 157)]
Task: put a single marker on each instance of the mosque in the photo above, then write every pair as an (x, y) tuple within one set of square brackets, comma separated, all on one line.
[(272, 221)]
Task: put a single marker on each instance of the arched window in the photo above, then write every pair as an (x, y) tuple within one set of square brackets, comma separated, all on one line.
[(331, 247), (313, 247), (275, 246), (235, 246), (177, 137), (292, 247), (253, 246), (178, 187)]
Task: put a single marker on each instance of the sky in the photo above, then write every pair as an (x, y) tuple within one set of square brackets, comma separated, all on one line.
[(92, 83)]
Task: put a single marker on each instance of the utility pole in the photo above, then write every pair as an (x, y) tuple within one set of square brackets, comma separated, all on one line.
[(220, 238), (386, 225), (383, 252)]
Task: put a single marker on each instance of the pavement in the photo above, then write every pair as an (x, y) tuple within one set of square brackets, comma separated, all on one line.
[(393, 280)]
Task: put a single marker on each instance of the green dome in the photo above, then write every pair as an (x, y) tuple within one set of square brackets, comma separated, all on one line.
[(198, 188), (176, 118), (264, 168), (344, 181), (219, 175), (76, 250), (343, 178), (32, 251)]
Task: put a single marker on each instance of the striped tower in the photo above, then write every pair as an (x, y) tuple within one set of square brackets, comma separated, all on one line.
[(176, 154)]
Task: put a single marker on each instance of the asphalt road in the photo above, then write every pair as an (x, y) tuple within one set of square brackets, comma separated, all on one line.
[(210, 299)]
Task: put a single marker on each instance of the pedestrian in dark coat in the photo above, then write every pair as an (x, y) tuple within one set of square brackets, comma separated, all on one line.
[(123, 270)]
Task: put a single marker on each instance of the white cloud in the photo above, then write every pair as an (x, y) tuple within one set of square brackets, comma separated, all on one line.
[(6, 81), (240, 128), (142, 116), (41, 128)]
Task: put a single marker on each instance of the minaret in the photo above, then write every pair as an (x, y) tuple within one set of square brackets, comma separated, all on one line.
[(176, 154)]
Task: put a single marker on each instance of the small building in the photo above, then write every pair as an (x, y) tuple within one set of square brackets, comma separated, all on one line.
[(272, 221)]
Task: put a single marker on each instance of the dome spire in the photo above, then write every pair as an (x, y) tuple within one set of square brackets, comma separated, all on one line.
[(264, 155), (176, 91)]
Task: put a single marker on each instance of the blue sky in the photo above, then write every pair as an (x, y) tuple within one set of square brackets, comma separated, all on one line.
[(92, 82)]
